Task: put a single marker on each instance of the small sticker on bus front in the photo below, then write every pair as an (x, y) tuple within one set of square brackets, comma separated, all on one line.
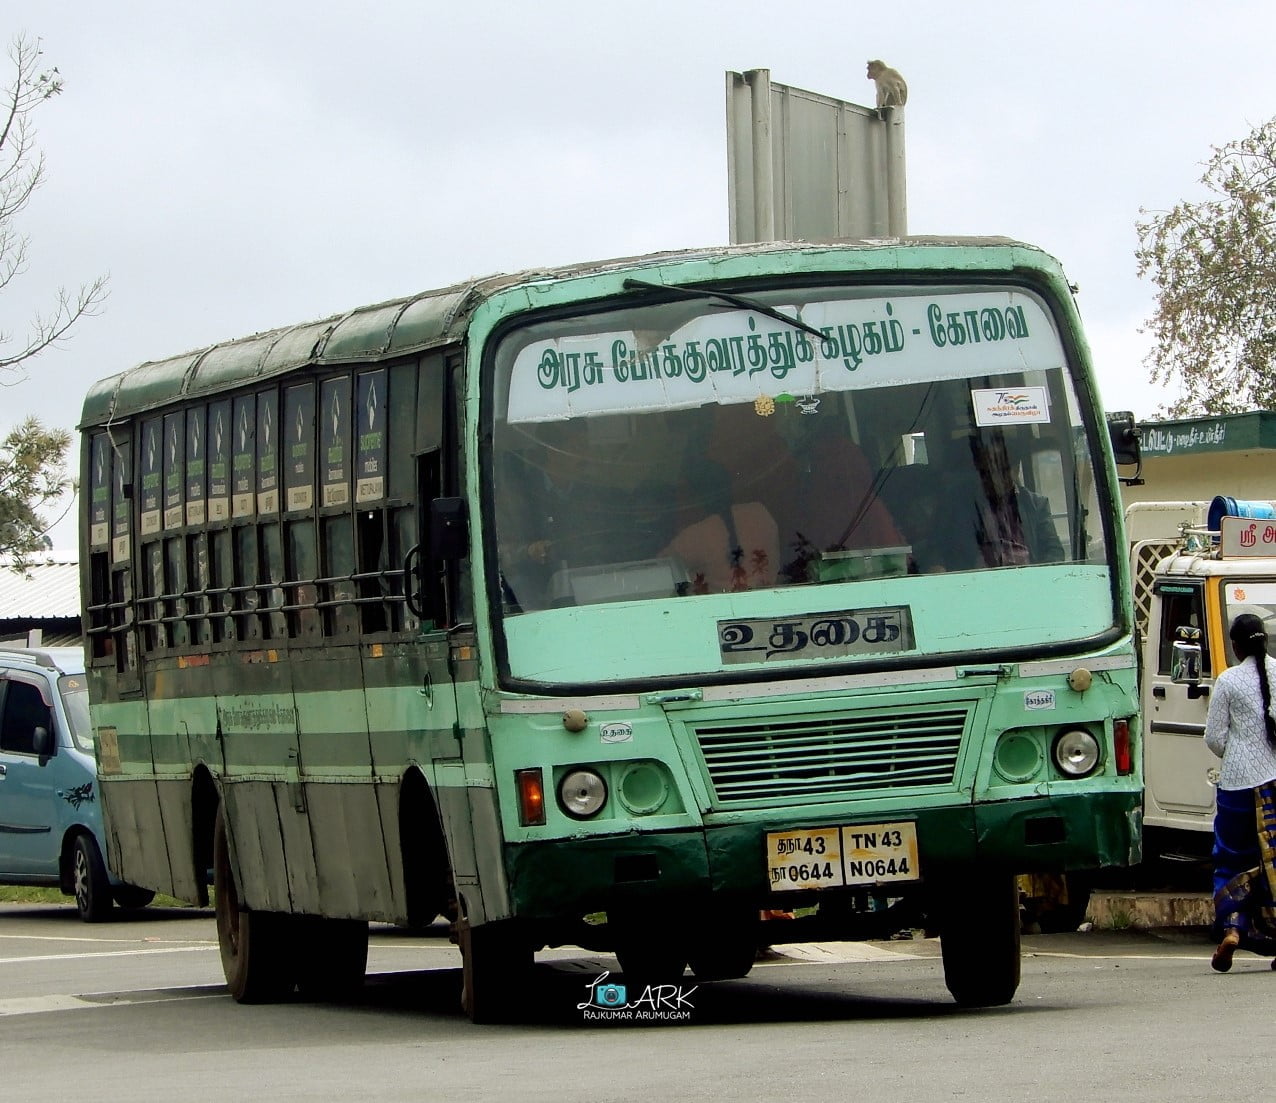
[(1036, 700)]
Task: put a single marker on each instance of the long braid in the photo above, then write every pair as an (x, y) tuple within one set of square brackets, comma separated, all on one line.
[(1260, 660), (1249, 640)]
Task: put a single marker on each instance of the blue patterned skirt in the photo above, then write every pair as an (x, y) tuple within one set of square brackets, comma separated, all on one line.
[(1245, 865)]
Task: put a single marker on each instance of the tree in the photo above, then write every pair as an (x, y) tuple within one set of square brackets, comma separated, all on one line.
[(1214, 266), (33, 475), (32, 458)]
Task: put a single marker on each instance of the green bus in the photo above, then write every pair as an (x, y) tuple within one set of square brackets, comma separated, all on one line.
[(630, 605)]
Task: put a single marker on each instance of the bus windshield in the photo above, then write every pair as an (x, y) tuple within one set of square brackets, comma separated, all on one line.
[(696, 447)]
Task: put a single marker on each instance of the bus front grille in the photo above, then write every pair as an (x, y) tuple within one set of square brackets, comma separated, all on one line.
[(831, 756)]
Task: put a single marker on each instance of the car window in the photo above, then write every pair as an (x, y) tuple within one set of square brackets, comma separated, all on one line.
[(23, 711), (75, 701)]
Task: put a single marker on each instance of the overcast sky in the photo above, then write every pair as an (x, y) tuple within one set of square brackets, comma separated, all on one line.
[(235, 167)]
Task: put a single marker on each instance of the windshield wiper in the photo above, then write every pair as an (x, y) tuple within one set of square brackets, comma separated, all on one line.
[(737, 301)]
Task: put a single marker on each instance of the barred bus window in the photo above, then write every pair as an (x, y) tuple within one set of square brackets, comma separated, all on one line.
[(99, 600), (197, 600), (221, 578), (122, 622), (149, 606), (270, 576), (175, 626), (301, 591), (338, 593), (248, 625), (378, 610)]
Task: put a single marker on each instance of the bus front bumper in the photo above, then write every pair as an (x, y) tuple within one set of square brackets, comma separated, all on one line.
[(565, 878)]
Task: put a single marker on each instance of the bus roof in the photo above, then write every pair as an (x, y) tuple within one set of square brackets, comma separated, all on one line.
[(430, 319)]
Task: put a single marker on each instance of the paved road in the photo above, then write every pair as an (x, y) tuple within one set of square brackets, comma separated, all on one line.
[(136, 1011)]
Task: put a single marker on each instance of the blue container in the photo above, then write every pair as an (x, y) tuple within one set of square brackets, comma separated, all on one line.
[(1223, 506)]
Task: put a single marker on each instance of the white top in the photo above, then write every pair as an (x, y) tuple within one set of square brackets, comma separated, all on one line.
[(1234, 728)]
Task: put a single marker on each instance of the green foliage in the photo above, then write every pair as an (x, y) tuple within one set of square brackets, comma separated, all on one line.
[(1214, 266), (21, 171), (32, 458), (33, 475)]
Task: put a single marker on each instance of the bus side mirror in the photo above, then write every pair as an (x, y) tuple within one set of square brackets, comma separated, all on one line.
[(1124, 435), (449, 529)]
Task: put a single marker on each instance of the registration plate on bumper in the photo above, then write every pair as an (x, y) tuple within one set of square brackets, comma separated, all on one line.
[(832, 857)]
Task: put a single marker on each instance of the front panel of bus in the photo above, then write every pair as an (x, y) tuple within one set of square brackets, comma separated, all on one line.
[(808, 586)]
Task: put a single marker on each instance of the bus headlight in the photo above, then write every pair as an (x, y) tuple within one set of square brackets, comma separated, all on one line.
[(1076, 752), (582, 793)]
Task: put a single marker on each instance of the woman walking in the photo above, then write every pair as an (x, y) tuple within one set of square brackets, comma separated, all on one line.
[(1241, 729)]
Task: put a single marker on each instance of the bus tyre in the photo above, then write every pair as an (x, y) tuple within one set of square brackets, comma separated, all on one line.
[(730, 958), (495, 967), (131, 897), (90, 881), (332, 956), (979, 940), (256, 947), (651, 960)]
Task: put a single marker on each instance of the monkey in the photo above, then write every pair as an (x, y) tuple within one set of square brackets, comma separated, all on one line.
[(892, 91)]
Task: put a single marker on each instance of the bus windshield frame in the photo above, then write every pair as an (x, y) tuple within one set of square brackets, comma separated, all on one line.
[(650, 451)]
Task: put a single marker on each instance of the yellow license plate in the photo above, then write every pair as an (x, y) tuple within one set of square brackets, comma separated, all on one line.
[(833, 857)]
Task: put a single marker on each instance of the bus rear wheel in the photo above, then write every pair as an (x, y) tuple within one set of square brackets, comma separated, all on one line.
[(256, 947), (332, 956), (979, 940)]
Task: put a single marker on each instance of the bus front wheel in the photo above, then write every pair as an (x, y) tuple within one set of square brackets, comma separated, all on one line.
[(495, 967), (256, 947), (979, 940)]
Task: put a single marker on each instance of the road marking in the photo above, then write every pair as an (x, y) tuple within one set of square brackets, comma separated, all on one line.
[(834, 953), (36, 1005), (108, 941), (109, 953)]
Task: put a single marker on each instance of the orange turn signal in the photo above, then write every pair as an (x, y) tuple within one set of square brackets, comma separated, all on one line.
[(531, 797)]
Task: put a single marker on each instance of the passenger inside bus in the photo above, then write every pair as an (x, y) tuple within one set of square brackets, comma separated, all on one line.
[(735, 547), (834, 504), (561, 506)]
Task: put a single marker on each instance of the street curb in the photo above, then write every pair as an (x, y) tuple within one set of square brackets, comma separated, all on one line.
[(1126, 910)]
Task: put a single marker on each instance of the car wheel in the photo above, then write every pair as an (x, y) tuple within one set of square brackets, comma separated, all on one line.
[(91, 884)]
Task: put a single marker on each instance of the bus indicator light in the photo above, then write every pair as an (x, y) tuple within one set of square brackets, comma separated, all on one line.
[(1121, 751), (531, 797)]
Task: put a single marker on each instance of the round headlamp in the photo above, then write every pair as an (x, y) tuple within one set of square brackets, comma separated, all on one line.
[(582, 793), (1076, 752)]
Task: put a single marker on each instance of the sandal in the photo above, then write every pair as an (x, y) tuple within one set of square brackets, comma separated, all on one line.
[(1221, 962)]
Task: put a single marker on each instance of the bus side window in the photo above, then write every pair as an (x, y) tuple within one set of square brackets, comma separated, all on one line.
[(175, 633), (340, 614), (221, 577), (100, 641), (428, 577), (302, 569), (376, 612), (149, 605), (248, 597), (270, 578), (198, 602)]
